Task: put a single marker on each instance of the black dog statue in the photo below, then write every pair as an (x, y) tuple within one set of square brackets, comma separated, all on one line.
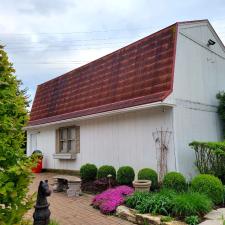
[(42, 213)]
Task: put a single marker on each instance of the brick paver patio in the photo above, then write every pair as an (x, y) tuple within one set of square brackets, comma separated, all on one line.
[(74, 210)]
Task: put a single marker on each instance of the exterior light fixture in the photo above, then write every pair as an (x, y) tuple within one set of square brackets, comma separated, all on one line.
[(211, 42)]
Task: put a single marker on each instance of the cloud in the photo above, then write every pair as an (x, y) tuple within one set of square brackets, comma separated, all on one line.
[(48, 7), (219, 26), (64, 34)]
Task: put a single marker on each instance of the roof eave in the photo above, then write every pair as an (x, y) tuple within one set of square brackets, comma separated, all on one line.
[(102, 114)]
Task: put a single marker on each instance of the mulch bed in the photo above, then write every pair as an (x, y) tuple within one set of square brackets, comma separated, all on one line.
[(97, 186)]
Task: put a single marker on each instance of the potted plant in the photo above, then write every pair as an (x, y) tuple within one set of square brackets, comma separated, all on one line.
[(142, 185)]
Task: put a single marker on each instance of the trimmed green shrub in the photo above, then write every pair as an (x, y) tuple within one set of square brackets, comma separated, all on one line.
[(210, 158), (105, 170), (149, 174), (191, 203), (88, 172), (192, 220), (125, 175), (174, 180), (209, 185)]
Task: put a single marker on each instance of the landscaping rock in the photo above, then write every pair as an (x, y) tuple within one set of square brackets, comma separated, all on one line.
[(131, 215), (212, 222), (218, 214), (213, 215), (148, 219), (126, 213), (222, 211)]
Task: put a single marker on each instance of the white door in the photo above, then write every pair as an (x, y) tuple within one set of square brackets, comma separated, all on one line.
[(33, 142)]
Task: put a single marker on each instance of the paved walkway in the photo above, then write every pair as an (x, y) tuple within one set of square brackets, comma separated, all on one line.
[(75, 210)]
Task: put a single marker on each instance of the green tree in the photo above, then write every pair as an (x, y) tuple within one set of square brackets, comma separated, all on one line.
[(15, 173)]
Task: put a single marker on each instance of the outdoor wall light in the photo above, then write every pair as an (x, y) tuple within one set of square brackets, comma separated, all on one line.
[(211, 42)]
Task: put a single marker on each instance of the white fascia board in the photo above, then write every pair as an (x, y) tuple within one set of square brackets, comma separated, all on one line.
[(97, 115)]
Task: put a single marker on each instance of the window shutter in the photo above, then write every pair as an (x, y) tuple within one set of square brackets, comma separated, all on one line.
[(77, 133)]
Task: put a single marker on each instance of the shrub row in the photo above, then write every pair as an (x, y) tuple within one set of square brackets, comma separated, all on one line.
[(203, 183), (125, 174)]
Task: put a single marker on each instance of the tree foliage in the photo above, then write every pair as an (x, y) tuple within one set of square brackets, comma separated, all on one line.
[(15, 167)]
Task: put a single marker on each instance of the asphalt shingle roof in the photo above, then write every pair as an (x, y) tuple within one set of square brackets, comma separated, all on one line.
[(137, 74)]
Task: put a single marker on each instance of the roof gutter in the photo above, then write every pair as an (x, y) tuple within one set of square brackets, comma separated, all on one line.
[(103, 114)]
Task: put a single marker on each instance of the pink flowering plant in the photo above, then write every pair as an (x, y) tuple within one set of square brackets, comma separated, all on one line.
[(108, 200)]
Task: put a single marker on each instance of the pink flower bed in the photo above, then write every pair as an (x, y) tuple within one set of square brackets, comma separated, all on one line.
[(108, 200)]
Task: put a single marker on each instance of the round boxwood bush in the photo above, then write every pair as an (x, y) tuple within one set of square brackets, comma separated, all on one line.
[(209, 185), (88, 172), (174, 180), (149, 174), (105, 170), (125, 175)]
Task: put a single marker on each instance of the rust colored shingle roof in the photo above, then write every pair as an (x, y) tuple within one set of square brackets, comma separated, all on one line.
[(137, 74)]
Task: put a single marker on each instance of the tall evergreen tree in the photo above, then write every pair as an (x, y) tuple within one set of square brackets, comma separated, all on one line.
[(14, 165)]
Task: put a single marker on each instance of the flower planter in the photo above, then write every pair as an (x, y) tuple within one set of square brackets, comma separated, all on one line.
[(38, 168), (142, 185)]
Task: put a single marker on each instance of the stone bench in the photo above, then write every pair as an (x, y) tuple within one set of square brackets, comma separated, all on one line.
[(70, 184)]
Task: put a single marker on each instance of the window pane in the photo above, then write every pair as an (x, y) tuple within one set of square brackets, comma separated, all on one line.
[(69, 146), (71, 133), (64, 146), (60, 134), (73, 145), (64, 134), (61, 146)]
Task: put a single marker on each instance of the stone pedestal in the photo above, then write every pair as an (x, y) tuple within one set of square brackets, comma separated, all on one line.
[(70, 184), (74, 188)]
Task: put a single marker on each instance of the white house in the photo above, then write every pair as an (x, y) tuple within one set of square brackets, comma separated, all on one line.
[(155, 95)]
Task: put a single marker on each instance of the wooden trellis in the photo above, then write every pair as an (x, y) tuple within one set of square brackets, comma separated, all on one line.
[(162, 140)]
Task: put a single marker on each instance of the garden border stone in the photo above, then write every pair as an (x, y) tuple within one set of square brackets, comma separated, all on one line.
[(215, 217), (133, 216)]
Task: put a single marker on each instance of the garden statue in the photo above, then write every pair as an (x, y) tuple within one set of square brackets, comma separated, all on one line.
[(42, 213)]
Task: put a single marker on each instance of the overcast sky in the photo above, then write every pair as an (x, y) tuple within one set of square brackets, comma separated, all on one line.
[(46, 38)]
